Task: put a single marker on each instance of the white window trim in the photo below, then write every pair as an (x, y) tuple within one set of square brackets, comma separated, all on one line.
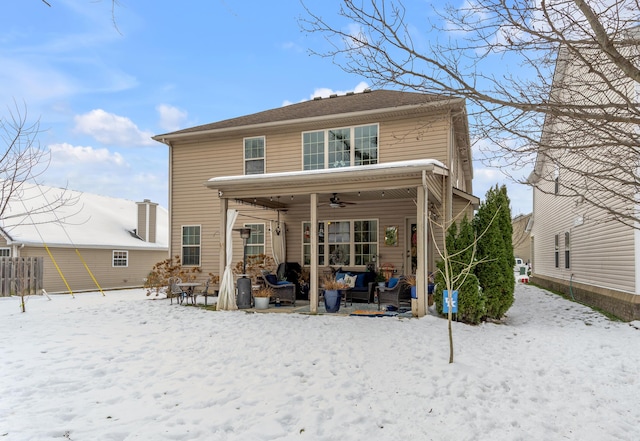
[(352, 152), (352, 243), (182, 246), (113, 259), (264, 153), (264, 235)]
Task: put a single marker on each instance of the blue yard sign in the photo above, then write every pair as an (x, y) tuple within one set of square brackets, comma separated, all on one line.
[(454, 302)]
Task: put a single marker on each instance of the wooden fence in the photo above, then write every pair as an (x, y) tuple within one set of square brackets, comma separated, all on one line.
[(20, 275)]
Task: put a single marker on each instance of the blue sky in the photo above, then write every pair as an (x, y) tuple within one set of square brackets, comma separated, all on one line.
[(100, 93)]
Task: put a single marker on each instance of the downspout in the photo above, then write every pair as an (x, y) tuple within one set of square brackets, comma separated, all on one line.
[(571, 287), (16, 247), (169, 208)]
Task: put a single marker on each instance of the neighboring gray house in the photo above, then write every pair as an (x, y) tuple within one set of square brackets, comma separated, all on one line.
[(118, 240)]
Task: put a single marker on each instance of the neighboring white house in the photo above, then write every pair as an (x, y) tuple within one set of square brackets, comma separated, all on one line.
[(577, 246), (87, 237)]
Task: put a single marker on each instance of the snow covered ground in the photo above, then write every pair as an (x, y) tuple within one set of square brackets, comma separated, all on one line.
[(125, 367)]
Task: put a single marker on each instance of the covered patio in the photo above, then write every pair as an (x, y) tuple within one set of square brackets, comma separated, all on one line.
[(424, 182)]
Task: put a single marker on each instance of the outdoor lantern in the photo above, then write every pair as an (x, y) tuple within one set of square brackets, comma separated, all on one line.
[(244, 283), (245, 233)]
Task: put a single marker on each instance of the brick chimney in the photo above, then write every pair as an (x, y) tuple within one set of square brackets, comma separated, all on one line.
[(147, 220)]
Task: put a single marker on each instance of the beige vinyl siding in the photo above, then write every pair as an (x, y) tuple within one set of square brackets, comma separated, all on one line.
[(414, 138), (462, 205), (99, 262), (602, 252), (521, 238)]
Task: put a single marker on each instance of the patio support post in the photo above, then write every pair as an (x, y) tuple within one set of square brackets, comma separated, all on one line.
[(313, 273), (224, 205), (422, 219)]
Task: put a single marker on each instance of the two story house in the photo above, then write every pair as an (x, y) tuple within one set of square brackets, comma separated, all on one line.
[(344, 181), (585, 238)]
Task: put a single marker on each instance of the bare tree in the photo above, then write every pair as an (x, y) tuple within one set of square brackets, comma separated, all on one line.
[(564, 96), (114, 3), (22, 160), (22, 163)]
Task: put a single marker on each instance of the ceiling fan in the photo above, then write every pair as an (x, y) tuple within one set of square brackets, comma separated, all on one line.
[(335, 202)]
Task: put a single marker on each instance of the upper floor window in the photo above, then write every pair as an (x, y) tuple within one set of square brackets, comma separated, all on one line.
[(120, 258), (255, 243), (341, 147), (254, 155), (5, 252), (191, 245)]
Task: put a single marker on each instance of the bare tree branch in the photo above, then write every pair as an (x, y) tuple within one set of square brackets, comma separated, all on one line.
[(565, 95), (21, 164)]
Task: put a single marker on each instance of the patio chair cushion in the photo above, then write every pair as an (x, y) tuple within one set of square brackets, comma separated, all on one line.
[(340, 275), (271, 278), (393, 281)]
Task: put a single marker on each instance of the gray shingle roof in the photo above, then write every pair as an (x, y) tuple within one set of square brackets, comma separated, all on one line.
[(350, 103)]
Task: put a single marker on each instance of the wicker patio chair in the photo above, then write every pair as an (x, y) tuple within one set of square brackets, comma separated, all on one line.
[(399, 294), (284, 291)]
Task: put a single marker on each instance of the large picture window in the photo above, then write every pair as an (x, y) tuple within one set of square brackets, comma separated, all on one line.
[(191, 245), (255, 242), (340, 147), (254, 155), (342, 243)]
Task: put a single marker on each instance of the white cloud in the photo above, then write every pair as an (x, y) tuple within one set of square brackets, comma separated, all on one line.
[(111, 129), (108, 173), (325, 92), (72, 155), (291, 46), (520, 195), (33, 84), (171, 118)]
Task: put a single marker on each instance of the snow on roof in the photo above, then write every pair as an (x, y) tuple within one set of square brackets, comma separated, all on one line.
[(407, 165), (83, 220)]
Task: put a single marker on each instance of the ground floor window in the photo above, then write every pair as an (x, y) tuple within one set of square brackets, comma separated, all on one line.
[(567, 260), (557, 251), (255, 242), (5, 252), (120, 258), (342, 242), (191, 245)]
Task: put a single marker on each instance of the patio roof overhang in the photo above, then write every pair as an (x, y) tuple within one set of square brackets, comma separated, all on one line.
[(266, 189)]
